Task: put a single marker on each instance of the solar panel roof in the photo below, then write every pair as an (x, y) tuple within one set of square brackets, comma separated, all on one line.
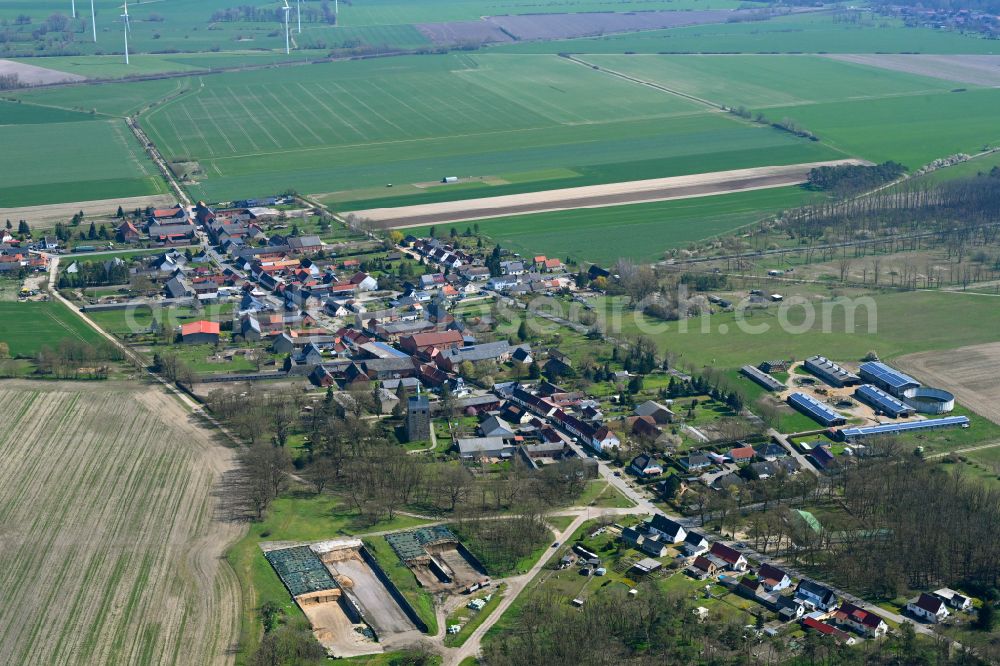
[(881, 400), (814, 408), (892, 428), (887, 375)]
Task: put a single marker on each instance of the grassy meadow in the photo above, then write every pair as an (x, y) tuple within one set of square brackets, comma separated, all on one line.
[(902, 323), (27, 327)]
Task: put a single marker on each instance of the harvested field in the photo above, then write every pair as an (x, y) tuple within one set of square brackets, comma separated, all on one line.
[(33, 75), (979, 70), (968, 372), (114, 529), (595, 196), (44, 217), (458, 32), (527, 27)]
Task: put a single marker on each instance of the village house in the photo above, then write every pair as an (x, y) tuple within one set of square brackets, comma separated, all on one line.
[(200, 332), (864, 622), (644, 466), (773, 578), (814, 595), (695, 544), (827, 630), (669, 530), (733, 559), (954, 599), (414, 344), (929, 608)]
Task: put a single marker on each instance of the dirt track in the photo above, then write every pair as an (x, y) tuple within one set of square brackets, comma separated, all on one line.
[(968, 372), (46, 216), (595, 196), (113, 529)]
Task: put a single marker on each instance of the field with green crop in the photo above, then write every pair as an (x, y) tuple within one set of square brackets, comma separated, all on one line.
[(805, 33), (114, 553), (342, 126), (641, 231), (61, 162), (114, 67), (27, 327), (762, 81), (912, 130)]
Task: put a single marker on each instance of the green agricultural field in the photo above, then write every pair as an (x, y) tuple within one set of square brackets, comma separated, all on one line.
[(12, 113), (913, 130), (106, 99), (27, 327), (806, 33), (62, 162), (361, 124), (114, 67), (762, 81), (641, 231), (905, 322)]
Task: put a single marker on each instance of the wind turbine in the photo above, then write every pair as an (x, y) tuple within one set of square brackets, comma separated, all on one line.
[(298, 13), (74, 8), (125, 32), (93, 20), (288, 46)]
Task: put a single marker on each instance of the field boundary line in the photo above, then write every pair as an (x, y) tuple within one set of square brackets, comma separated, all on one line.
[(643, 82)]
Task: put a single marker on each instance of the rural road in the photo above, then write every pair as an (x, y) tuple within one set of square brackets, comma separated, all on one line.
[(596, 196)]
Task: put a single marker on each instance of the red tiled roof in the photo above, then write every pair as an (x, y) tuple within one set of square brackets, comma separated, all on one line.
[(741, 453), (848, 611), (211, 327)]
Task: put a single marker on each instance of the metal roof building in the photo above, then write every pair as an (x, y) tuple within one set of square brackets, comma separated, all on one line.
[(882, 401), (815, 409), (850, 434), (762, 378), (888, 378), (830, 372)]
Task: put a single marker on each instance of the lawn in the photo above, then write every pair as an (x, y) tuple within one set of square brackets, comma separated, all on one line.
[(297, 516), (602, 494), (27, 327), (642, 232), (62, 162)]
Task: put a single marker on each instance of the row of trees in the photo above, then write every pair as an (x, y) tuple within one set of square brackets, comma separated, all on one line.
[(72, 359)]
